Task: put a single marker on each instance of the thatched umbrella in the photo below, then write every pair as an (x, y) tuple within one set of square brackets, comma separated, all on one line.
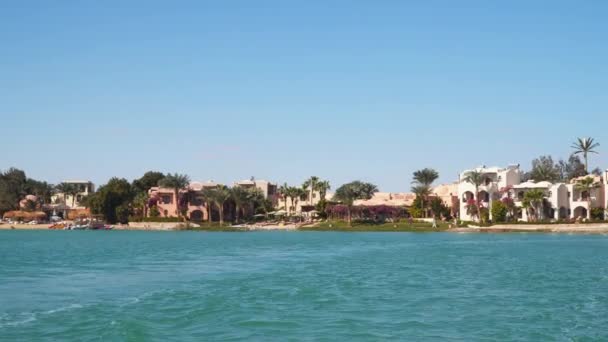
[(25, 215)]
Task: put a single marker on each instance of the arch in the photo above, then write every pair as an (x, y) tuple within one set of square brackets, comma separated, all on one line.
[(196, 216), (484, 196), (580, 212), (467, 196), (563, 213)]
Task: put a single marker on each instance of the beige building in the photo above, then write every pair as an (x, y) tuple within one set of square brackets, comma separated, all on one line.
[(267, 188), (394, 199), (71, 201)]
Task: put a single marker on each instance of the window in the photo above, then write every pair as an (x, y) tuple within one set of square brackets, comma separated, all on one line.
[(166, 212), (569, 194), (166, 199)]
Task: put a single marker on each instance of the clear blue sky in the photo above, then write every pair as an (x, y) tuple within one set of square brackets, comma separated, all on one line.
[(282, 90)]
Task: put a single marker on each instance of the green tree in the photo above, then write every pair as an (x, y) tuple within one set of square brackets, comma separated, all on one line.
[(12, 183), (499, 211), (587, 184), (176, 182), (284, 192), (585, 146), (350, 192), (422, 193), (140, 201), (572, 168), (422, 181), (425, 176), (117, 192), (122, 213), (544, 169), (438, 208), (323, 187), (148, 180), (534, 199), (219, 196), (312, 185), (242, 198), (477, 179)]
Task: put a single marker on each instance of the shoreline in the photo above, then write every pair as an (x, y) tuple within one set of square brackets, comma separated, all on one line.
[(590, 228)]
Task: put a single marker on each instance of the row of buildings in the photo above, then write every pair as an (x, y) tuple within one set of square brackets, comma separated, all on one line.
[(562, 200)]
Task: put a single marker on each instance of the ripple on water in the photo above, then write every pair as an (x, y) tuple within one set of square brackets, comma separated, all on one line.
[(308, 286)]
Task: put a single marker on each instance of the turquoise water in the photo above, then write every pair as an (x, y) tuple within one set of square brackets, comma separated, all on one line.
[(265, 286)]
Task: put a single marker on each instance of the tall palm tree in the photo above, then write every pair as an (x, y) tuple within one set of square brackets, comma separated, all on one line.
[(422, 180), (176, 182), (241, 197), (312, 185), (587, 184), (207, 195), (284, 193), (298, 194), (322, 187), (585, 146), (476, 178), (220, 195)]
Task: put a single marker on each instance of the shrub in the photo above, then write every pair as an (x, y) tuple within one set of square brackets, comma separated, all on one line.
[(597, 214), (499, 211), (154, 212), (485, 215)]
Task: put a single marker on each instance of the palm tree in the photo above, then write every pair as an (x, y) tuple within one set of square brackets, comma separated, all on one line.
[(207, 195), (73, 191), (298, 194), (312, 185), (219, 196), (422, 180), (241, 197), (423, 192), (140, 201), (322, 187), (534, 198), (585, 146), (284, 193), (475, 178), (350, 192), (425, 176), (586, 185), (176, 182)]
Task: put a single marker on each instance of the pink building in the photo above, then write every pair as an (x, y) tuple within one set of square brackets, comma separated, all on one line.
[(167, 203)]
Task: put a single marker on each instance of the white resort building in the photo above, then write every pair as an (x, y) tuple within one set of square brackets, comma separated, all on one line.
[(561, 200)]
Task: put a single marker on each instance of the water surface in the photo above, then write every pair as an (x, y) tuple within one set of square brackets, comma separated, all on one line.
[(191, 286)]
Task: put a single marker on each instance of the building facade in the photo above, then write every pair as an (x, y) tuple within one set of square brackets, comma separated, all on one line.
[(561, 200), (196, 207)]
